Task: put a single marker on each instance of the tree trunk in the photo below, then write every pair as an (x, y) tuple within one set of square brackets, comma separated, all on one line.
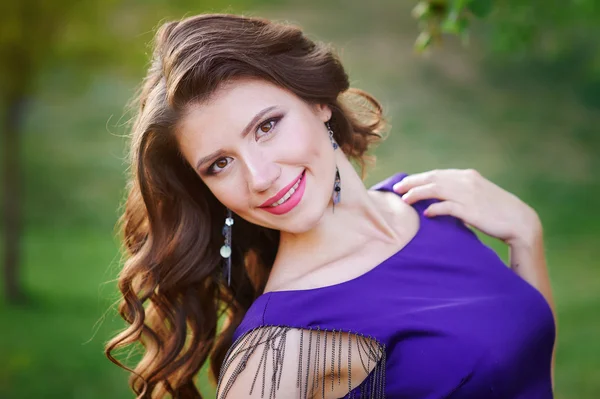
[(12, 220)]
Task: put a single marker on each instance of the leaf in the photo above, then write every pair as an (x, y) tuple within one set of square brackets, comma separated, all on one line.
[(423, 41), (450, 24), (422, 10), (480, 8)]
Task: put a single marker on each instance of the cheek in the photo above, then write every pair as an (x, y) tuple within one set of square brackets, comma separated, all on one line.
[(229, 196), (302, 143)]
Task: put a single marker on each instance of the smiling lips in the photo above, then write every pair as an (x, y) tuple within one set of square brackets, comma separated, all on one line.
[(287, 198)]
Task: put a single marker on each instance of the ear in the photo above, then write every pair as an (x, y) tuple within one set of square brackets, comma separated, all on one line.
[(323, 112)]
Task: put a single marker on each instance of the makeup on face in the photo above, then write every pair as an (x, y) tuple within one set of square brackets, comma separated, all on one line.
[(287, 198), (277, 144), (273, 121)]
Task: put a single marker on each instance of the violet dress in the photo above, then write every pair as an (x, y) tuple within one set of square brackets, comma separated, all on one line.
[(444, 317)]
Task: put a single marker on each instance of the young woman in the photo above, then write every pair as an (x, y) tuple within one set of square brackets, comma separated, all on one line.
[(244, 204)]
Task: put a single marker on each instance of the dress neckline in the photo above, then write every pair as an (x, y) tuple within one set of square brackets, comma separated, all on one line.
[(385, 185)]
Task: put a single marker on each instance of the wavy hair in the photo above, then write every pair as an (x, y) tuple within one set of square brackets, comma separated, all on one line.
[(173, 292)]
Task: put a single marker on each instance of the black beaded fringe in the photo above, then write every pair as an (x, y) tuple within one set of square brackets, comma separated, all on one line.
[(274, 337)]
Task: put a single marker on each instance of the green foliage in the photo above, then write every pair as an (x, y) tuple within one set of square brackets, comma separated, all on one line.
[(438, 17), (524, 34), (83, 37), (480, 8), (34, 32), (514, 24)]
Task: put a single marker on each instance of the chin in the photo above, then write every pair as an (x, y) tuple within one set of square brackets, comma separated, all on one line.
[(298, 228), (306, 217), (303, 222)]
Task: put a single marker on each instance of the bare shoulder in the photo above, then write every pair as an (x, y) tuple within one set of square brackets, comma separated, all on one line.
[(394, 208)]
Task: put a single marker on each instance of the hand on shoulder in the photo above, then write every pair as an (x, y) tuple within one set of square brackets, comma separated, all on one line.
[(466, 194)]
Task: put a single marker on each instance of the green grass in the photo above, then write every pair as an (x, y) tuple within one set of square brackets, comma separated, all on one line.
[(53, 345), (444, 113)]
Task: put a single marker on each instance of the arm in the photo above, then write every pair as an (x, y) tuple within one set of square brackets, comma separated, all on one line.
[(527, 260), (466, 194)]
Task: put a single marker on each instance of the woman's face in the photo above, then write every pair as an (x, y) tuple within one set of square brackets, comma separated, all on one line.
[(256, 145)]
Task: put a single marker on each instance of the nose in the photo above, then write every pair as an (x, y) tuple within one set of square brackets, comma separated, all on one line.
[(261, 173)]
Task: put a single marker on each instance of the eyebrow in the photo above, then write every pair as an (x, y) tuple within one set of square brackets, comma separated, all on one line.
[(243, 134)]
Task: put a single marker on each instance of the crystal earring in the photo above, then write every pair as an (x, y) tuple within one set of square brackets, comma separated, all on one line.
[(337, 188), (333, 143), (226, 248)]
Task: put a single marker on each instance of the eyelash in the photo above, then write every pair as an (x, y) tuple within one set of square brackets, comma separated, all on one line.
[(211, 168)]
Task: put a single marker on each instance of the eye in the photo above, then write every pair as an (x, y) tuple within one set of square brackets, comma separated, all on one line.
[(218, 165), (266, 128)]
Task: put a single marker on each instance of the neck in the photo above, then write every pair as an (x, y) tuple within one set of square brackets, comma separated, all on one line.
[(359, 218)]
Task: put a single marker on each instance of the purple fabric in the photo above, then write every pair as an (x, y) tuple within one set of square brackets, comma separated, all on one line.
[(456, 322)]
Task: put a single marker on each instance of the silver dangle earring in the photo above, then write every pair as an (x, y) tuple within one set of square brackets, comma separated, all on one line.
[(333, 143), (337, 188), (226, 248)]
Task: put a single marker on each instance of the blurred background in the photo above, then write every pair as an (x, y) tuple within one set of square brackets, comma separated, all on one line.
[(512, 90)]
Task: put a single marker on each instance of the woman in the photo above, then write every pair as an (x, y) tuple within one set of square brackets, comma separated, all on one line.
[(243, 202)]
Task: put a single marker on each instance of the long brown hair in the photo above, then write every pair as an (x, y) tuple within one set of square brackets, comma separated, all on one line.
[(172, 286)]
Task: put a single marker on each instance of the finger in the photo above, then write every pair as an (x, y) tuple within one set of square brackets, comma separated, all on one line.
[(445, 208), (418, 193), (417, 179)]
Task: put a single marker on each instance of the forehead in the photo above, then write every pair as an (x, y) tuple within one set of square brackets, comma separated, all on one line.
[(239, 100), (213, 123)]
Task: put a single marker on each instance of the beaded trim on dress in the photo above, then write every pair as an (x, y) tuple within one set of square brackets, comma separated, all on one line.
[(372, 357)]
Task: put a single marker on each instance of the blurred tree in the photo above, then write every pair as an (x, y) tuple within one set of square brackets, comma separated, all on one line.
[(29, 30), (36, 38)]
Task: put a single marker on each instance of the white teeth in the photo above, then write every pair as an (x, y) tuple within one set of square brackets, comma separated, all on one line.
[(287, 195)]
